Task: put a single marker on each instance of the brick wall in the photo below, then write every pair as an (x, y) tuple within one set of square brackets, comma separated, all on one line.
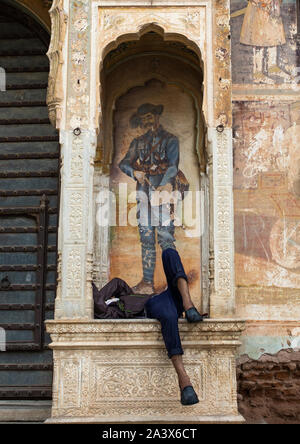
[(269, 388)]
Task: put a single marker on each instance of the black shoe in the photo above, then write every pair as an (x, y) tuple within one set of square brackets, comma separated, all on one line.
[(193, 315), (189, 396)]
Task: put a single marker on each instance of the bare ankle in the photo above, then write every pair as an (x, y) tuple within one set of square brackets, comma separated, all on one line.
[(188, 305), (184, 382)]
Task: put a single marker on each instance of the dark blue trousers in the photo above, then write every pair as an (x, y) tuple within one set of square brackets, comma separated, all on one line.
[(167, 306)]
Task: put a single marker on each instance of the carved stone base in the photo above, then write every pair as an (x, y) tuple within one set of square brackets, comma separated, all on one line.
[(117, 371)]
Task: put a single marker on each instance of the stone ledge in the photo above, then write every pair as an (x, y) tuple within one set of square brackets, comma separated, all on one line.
[(139, 325), (24, 411), (183, 419), (140, 333)]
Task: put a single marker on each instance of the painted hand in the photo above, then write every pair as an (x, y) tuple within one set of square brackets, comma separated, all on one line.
[(140, 176), (162, 195), (168, 187)]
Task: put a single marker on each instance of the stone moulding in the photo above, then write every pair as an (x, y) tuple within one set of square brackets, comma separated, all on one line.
[(55, 87), (117, 371)]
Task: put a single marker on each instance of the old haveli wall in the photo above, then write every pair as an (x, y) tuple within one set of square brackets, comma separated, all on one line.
[(266, 129), (266, 98)]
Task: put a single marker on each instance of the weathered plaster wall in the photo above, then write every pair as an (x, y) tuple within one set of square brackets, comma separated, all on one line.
[(266, 131), (266, 111)]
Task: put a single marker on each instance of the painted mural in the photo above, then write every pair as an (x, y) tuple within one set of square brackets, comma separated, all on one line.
[(264, 41), (154, 142), (152, 160), (266, 129), (267, 193)]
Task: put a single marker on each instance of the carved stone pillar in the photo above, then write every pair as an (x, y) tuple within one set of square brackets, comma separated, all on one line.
[(68, 100), (101, 244), (222, 298), (75, 243)]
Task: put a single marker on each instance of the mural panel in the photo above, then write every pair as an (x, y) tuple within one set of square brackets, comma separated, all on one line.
[(267, 193), (265, 73), (154, 149), (264, 42)]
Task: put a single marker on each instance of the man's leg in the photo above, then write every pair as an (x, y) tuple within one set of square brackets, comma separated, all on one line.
[(163, 308), (178, 284), (183, 378), (185, 293), (165, 227), (147, 237)]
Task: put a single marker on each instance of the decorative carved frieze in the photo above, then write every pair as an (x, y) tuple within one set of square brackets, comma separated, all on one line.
[(74, 274), (226, 326), (76, 216)]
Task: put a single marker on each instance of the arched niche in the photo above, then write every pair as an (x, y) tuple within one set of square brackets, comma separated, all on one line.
[(168, 73), (115, 32)]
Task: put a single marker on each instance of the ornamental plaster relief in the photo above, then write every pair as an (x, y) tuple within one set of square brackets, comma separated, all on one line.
[(70, 373), (79, 65), (74, 279), (191, 22), (77, 162), (224, 327), (223, 299), (114, 25), (101, 242), (76, 220), (151, 383)]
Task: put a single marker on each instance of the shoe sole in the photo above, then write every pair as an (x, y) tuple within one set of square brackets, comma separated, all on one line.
[(190, 403)]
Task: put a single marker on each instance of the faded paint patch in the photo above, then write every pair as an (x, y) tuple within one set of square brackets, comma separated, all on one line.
[(255, 347), (260, 337)]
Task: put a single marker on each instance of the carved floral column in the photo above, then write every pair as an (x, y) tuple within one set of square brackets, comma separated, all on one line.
[(222, 298)]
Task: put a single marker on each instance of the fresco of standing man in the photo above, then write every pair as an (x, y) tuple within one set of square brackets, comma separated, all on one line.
[(152, 161), (263, 29)]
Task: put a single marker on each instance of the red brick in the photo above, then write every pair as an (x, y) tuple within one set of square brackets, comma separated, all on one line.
[(270, 388), (291, 366), (246, 385), (282, 375)]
